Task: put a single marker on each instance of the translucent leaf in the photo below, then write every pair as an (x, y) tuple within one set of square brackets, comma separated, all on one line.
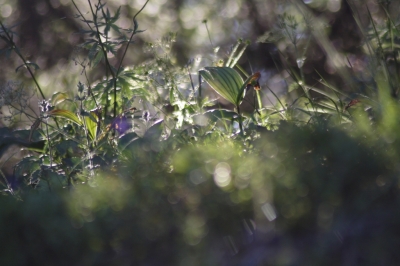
[(92, 125), (66, 114), (293, 86), (225, 81), (58, 98)]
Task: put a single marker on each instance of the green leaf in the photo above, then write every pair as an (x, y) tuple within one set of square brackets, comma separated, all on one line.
[(66, 114), (93, 51), (91, 124), (293, 86), (127, 140), (226, 82), (58, 98), (97, 59)]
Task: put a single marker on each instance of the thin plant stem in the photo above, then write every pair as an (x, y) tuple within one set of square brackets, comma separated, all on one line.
[(130, 39), (14, 47), (208, 32), (240, 120)]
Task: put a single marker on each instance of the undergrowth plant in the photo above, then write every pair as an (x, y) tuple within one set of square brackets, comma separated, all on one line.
[(74, 137), (145, 160)]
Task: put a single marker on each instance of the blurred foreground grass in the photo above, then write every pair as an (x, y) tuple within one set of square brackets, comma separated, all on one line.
[(295, 196)]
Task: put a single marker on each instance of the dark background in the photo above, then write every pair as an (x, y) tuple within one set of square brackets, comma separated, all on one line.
[(47, 32)]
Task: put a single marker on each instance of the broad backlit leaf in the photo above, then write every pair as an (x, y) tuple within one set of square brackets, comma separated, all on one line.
[(226, 82), (66, 114)]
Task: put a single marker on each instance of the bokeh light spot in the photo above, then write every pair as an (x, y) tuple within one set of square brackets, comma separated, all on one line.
[(222, 174), (197, 176), (269, 211), (6, 11)]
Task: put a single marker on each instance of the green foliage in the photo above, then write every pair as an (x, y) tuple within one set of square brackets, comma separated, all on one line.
[(142, 168), (226, 81)]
